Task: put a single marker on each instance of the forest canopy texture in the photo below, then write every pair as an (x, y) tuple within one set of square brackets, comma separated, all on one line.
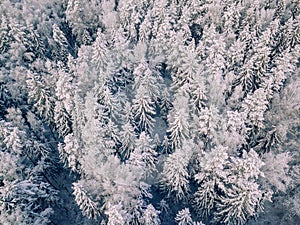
[(149, 112)]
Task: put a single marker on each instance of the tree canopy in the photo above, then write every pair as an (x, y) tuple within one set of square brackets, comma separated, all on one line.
[(149, 112)]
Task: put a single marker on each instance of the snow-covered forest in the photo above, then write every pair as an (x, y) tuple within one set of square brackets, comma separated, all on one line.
[(150, 112)]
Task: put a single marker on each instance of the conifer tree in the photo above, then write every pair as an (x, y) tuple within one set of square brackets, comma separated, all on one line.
[(143, 109), (149, 112)]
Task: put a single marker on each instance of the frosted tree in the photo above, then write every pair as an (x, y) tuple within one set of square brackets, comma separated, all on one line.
[(188, 66), (128, 139), (231, 17), (179, 128), (5, 38), (234, 130), (207, 125), (111, 103), (283, 66), (86, 204), (70, 153), (215, 64), (115, 215), (40, 94), (94, 123), (161, 29), (255, 106), (245, 198), (61, 43), (122, 56), (151, 215), (238, 206), (183, 217), (110, 17), (132, 13), (276, 170), (26, 197), (146, 27), (101, 57), (149, 80), (143, 109), (83, 19), (165, 104), (103, 96), (118, 181), (144, 155), (236, 54), (119, 186), (85, 71), (211, 179), (112, 136), (175, 174), (198, 93), (63, 104)]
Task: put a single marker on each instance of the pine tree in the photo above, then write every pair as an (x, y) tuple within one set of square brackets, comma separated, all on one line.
[(144, 155), (202, 93), (83, 19), (183, 217), (86, 204), (26, 196), (143, 110), (5, 37), (207, 125), (234, 130), (101, 57), (276, 168), (147, 79), (40, 94), (178, 122), (63, 104), (128, 139), (175, 175), (70, 153), (255, 106), (61, 43), (245, 198), (115, 215), (151, 216), (211, 179)]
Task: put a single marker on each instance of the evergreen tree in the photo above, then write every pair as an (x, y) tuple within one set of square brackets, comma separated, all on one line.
[(183, 217), (175, 175), (122, 110), (144, 156), (143, 109)]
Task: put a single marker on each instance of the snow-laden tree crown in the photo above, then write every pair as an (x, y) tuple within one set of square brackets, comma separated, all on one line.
[(149, 112)]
